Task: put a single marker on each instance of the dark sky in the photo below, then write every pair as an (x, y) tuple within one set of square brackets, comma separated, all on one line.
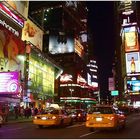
[(101, 22)]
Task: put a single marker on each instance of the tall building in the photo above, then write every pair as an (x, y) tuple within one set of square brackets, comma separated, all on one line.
[(128, 51), (66, 41), (27, 74)]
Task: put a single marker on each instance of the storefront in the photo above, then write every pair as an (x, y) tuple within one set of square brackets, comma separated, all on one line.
[(40, 75)]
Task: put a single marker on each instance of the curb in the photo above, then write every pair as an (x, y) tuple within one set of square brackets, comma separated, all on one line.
[(18, 121)]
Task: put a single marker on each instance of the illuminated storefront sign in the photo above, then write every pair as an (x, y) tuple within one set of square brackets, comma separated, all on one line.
[(81, 80), (132, 63), (9, 82), (131, 39), (65, 78)]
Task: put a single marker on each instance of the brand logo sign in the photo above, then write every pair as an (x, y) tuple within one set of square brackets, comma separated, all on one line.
[(10, 25)]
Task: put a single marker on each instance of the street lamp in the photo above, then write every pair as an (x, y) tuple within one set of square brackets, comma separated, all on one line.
[(71, 90)]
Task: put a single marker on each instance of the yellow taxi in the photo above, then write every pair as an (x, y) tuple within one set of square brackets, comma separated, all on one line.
[(52, 116), (101, 117)]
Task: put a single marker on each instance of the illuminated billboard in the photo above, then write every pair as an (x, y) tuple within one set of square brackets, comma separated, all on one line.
[(132, 63), (12, 51), (133, 85), (32, 33), (66, 78), (9, 83), (79, 49), (59, 44), (131, 39)]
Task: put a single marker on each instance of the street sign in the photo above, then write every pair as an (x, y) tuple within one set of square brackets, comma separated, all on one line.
[(114, 93)]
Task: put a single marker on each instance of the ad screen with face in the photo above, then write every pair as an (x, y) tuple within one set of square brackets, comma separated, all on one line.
[(132, 63)]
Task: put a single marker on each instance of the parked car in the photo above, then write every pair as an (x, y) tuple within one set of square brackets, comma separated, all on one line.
[(78, 114), (53, 116), (102, 117)]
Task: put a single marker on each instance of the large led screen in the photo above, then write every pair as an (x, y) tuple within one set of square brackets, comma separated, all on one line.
[(131, 39), (59, 44), (9, 82), (12, 51), (132, 63), (133, 85)]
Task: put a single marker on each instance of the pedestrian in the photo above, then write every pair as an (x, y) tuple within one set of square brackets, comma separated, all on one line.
[(16, 111), (35, 111)]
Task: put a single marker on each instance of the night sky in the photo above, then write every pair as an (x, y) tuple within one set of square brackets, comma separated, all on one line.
[(101, 23)]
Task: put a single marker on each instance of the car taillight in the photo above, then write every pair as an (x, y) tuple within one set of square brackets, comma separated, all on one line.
[(53, 117), (111, 118), (87, 118)]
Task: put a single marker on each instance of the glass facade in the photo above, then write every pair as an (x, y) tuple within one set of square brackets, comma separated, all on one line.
[(41, 77)]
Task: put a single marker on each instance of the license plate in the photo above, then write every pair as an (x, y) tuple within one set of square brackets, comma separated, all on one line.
[(98, 119)]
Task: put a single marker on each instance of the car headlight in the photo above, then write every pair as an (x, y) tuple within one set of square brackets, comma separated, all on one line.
[(43, 118), (35, 117)]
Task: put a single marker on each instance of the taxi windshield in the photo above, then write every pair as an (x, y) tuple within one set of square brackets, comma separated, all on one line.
[(100, 110), (51, 111)]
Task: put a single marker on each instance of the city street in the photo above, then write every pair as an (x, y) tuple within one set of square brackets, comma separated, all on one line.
[(76, 131)]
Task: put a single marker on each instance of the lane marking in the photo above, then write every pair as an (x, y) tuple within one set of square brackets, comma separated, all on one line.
[(76, 125), (88, 134)]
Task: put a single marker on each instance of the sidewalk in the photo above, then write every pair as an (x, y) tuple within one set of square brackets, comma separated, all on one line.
[(19, 120)]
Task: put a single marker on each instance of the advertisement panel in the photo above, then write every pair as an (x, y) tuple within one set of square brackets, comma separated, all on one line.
[(20, 6), (111, 84), (79, 49), (61, 44), (131, 39), (32, 33), (12, 51), (9, 82), (133, 85), (132, 63)]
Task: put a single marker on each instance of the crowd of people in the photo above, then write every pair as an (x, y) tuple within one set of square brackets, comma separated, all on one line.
[(18, 112)]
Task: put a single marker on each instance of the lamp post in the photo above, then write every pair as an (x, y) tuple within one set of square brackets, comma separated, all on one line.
[(71, 90)]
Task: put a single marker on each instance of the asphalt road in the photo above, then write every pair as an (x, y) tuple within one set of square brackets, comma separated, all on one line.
[(27, 130)]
